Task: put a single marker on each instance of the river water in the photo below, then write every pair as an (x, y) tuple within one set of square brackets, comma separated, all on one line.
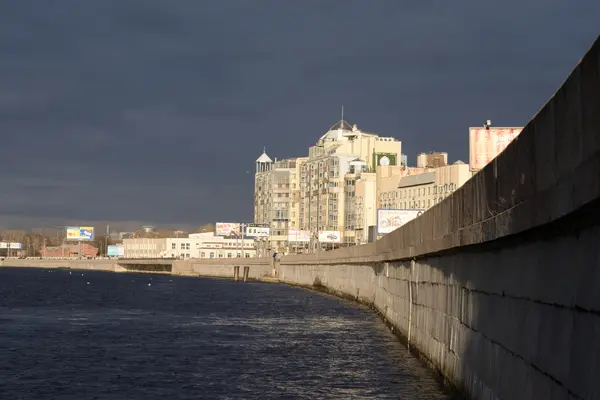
[(93, 335)]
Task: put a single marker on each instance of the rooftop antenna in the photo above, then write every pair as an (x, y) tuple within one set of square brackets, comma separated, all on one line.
[(342, 112)]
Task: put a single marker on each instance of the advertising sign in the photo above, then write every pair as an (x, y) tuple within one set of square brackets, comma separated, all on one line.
[(486, 144), (297, 235), (384, 159), (80, 233), (330, 237), (389, 220), (227, 229), (253, 230), (115, 251), (11, 245)]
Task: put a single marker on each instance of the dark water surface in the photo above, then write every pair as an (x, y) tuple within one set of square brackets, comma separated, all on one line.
[(189, 338)]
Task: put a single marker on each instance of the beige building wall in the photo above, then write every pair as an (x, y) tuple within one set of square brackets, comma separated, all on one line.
[(144, 248), (366, 206), (422, 190), (434, 159)]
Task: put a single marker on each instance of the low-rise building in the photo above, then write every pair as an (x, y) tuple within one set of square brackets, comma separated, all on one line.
[(144, 247), (69, 250), (197, 245)]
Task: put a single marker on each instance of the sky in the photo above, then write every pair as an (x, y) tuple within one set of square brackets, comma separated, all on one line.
[(154, 111)]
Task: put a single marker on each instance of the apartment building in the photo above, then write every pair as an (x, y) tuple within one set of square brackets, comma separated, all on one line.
[(277, 197), (423, 189), (328, 178)]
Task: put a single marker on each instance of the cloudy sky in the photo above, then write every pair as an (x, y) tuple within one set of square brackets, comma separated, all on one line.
[(154, 110)]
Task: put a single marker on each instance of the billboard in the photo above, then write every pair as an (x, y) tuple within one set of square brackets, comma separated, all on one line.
[(330, 237), (384, 159), (389, 220), (80, 232), (11, 245), (486, 144), (115, 251), (254, 230), (227, 229), (297, 235)]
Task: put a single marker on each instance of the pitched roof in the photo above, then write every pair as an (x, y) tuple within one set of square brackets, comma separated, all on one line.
[(341, 125), (264, 158)]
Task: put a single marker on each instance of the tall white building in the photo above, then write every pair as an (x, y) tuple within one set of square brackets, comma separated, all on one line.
[(328, 178), (276, 198)]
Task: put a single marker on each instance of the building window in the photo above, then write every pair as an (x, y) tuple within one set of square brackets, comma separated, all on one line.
[(228, 255), (187, 246), (212, 255), (173, 246), (203, 254), (182, 246), (187, 255)]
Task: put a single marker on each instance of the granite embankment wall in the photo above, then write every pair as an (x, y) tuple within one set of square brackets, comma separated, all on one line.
[(499, 285), (223, 267), (97, 265), (218, 268)]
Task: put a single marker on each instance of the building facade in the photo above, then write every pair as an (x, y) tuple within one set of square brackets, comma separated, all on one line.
[(433, 159), (197, 245), (276, 198), (69, 251), (421, 190), (328, 179)]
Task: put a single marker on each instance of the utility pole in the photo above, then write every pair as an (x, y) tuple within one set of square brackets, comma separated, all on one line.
[(106, 241)]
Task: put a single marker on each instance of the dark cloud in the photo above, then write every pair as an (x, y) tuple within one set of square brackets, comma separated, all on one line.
[(153, 110)]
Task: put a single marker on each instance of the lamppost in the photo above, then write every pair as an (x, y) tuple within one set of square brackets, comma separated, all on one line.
[(242, 231)]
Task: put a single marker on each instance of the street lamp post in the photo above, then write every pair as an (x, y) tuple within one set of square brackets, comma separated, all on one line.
[(242, 226)]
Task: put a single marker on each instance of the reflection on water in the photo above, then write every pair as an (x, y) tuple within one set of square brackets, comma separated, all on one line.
[(189, 338)]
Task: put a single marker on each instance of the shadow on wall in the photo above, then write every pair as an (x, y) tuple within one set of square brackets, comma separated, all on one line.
[(516, 318), (505, 272)]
